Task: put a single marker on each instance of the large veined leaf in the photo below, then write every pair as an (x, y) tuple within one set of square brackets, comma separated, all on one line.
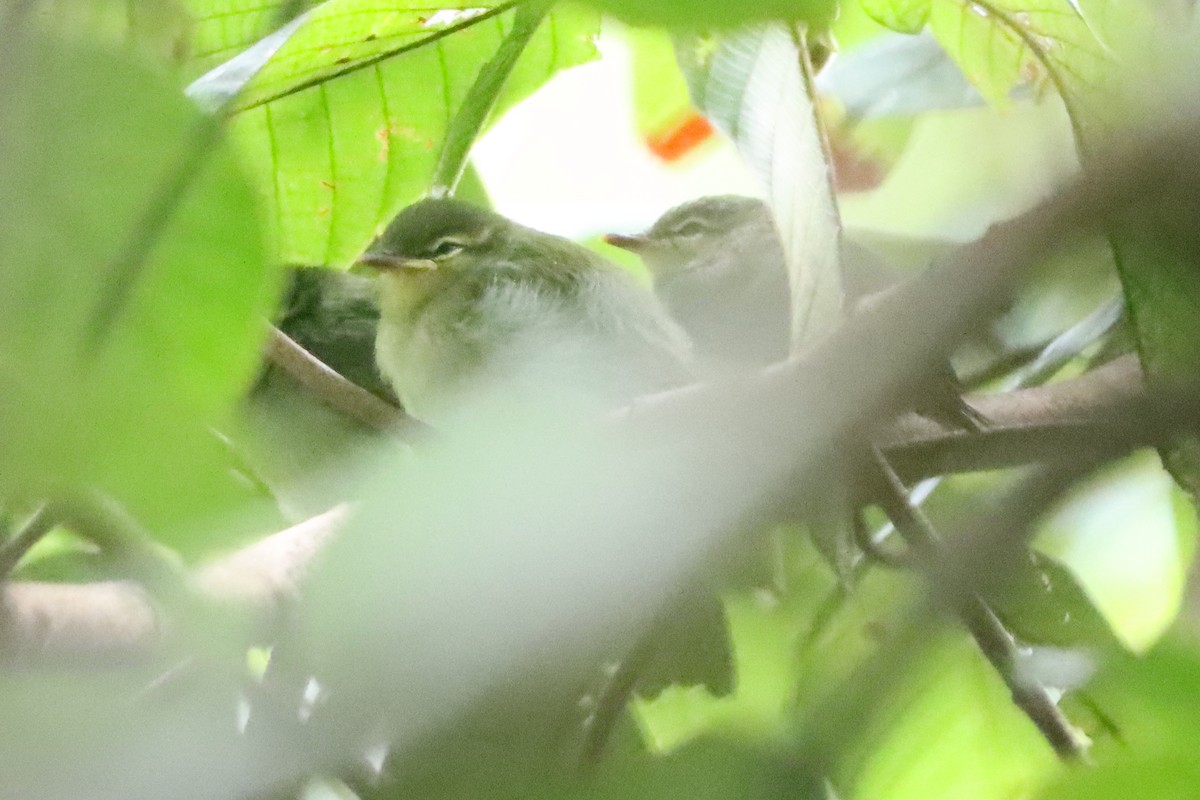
[(345, 118), (707, 14), (221, 29), (750, 85), (133, 281)]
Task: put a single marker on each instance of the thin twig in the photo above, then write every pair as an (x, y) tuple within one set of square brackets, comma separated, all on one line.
[(614, 696), (13, 549), (995, 642), (105, 523)]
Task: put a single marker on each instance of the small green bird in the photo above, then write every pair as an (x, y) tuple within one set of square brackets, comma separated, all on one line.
[(475, 307), (719, 268)]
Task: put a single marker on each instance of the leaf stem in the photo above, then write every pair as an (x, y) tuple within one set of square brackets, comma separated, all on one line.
[(467, 123)]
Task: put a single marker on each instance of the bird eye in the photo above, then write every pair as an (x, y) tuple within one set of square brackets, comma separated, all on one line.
[(692, 227), (445, 248)]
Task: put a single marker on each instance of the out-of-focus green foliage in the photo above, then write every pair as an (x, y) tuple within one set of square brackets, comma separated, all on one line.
[(1129, 535), (157, 31), (1044, 604), (946, 717), (140, 255), (133, 287), (904, 16), (1150, 703), (1157, 252), (708, 14)]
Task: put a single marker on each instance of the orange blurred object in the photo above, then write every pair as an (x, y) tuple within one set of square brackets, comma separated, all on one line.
[(673, 142)]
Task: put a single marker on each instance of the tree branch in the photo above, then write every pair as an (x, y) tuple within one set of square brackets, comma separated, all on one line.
[(338, 392), (1092, 414), (995, 642), (116, 620)]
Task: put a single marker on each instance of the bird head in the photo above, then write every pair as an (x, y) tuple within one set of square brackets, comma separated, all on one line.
[(697, 232), (435, 235)]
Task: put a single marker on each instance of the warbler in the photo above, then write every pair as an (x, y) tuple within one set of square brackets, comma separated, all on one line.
[(718, 265), (475, 306)]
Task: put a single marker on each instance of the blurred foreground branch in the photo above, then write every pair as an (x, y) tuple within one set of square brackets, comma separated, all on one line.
[(116, 620), (1096, 413)]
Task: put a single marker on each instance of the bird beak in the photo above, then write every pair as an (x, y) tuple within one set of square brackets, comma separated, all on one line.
[(382, 262), (634, 244)]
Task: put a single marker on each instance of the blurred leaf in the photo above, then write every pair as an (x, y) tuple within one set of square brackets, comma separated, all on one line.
[(663, 112), (344, 122), (788, 646), (707, 14), (1129, 542), (1151, 701), (750, 85), (904, 16), (964, 170), (1043, 604), (896, 75), (715, 769), (949, 730), (1157, 251), (156, 29), (92, 228), (1002, 43)]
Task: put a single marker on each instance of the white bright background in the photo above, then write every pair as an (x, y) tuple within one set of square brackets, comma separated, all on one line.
[(569, 160)]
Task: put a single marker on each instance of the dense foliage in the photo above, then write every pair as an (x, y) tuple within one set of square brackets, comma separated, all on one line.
[(226, 572)]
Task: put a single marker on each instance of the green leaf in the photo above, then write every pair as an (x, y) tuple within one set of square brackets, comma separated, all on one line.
[(751, 86), (1043, 604), (1151, 704), (1000, 44), (905, 16), (949, 730), (1129, 541), (344, 122), (223, 28), (708, 14), (1156, 255), (133, 284)]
